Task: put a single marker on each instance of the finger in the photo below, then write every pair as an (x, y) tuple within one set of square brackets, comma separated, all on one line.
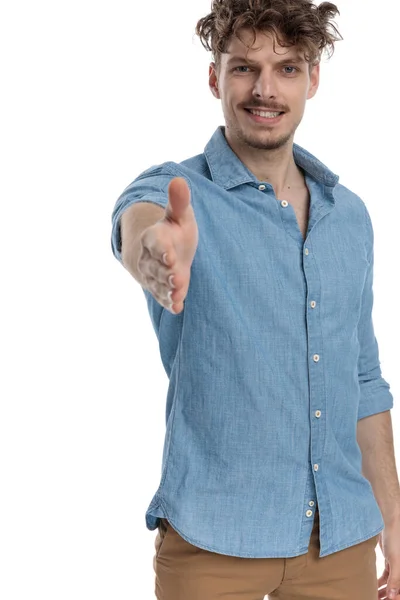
[(150, 267), (166, 258), (160, 293), (160, 289), (162, 252), (163, 293)]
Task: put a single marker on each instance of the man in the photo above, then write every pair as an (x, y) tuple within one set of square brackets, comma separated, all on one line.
[(278, 470)]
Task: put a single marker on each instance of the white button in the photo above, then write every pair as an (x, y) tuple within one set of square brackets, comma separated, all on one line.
[(318, 414), (284, 203), (311, 503), (315, 467), (261, 187), (316, 357), (306, 251), (313, 304), (309, 513)]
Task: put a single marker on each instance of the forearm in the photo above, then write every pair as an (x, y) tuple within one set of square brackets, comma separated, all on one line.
[(375, 438)]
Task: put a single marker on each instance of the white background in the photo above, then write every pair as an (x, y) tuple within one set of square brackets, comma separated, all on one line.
[(92, 94)]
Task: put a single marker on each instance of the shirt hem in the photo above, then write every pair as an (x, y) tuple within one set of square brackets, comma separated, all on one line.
[(339, 547), (289, 553)]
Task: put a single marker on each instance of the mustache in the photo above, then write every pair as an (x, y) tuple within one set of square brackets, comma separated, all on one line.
[(270, 106)]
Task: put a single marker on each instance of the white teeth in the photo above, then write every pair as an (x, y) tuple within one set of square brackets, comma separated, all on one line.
[(266, 115)]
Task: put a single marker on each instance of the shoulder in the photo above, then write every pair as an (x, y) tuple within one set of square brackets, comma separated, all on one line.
[(354, 206), (348, 199), (163, 173)]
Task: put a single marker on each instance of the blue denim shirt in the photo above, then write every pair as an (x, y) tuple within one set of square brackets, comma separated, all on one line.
[(271, 363)]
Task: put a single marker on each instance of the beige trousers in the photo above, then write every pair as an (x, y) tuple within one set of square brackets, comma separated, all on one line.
[(186, 572)]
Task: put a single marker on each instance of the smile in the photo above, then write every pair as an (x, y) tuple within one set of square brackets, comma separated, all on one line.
[(269, 118)]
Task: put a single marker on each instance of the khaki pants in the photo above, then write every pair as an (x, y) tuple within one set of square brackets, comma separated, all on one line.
[(186, 572)]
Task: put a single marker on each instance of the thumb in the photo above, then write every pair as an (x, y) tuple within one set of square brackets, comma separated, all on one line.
[(178, 199)]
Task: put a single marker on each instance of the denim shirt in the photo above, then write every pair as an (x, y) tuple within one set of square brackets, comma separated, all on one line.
[(271, 363)]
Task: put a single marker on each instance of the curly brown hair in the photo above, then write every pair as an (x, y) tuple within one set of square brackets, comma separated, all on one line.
[(291, 22)]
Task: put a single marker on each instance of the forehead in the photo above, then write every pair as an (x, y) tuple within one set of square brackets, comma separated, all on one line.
[(265, 46)]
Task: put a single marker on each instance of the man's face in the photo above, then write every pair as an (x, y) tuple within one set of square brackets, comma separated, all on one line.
[(278, 81)]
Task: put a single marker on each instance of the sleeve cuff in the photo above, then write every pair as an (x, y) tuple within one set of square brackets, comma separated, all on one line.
[(159, 199), (375, 398)]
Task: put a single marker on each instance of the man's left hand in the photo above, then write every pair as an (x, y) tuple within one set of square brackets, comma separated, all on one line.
[(389, 542)]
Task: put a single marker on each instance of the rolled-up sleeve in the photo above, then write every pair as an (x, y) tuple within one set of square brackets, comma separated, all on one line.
[(375, 395), (150, 186)]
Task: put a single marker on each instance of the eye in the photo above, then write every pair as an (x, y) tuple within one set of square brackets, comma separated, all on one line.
[(241, 67), (290, 72)]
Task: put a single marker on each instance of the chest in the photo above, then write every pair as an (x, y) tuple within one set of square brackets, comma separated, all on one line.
[(253, 250), (300, 202)]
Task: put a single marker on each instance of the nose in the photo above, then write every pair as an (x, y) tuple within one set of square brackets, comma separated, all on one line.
[(265, 85)]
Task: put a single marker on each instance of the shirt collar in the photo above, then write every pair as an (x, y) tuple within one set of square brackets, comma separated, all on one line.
[(228, 171)]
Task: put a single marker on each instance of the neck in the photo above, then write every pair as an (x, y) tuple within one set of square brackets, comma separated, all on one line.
[(276, 167)]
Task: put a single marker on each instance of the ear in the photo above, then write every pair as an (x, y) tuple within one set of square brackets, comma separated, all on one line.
[(314, 81), (213, 80)]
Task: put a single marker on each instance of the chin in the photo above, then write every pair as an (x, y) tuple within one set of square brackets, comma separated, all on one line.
[(265, 140)]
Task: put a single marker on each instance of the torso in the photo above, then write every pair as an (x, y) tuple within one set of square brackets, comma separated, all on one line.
[(300, 201)]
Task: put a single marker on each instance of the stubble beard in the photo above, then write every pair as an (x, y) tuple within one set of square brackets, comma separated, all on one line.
[(262, 141)]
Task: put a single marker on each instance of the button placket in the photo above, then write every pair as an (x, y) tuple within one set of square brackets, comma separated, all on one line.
[(316, 373), (317, 413), (317, 392)]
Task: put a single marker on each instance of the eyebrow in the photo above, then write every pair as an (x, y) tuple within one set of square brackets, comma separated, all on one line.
[(289, 59)]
